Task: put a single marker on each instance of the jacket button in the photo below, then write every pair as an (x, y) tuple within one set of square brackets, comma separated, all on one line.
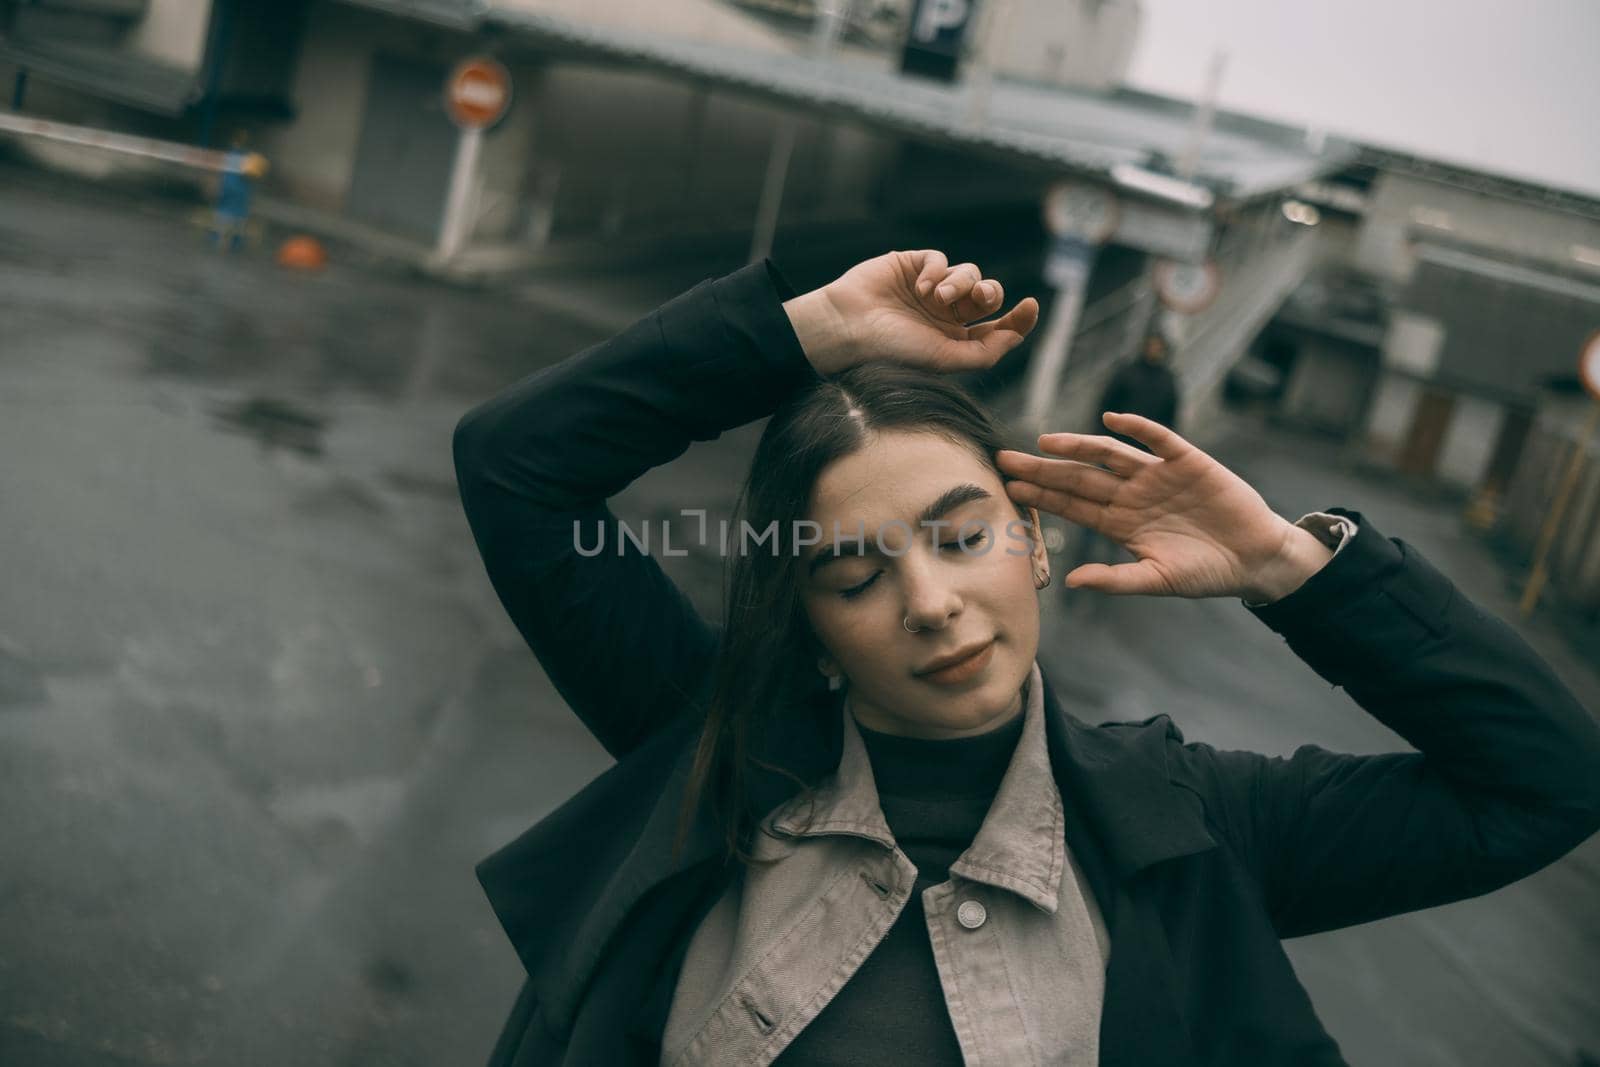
[(971, 914)]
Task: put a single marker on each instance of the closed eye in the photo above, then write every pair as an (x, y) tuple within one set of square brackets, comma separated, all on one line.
[(967, 542), (856, 590)]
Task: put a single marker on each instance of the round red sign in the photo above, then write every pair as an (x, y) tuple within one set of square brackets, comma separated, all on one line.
[(478, 92), (1188, 288)]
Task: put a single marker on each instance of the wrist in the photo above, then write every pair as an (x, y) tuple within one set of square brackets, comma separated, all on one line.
[(821, 331), (1299, 556)]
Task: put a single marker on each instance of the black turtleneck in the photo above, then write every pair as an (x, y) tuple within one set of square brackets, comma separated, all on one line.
[(934, 795)]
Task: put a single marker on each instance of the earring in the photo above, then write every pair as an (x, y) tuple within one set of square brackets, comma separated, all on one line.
[(835, 679), (1041, 577)]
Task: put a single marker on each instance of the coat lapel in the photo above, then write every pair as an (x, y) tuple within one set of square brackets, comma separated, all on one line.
[(1124, 815)]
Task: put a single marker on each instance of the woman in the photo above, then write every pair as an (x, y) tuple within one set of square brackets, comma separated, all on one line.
[(1024, 888)]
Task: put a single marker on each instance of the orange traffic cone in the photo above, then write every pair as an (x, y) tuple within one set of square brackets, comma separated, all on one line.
[(302, 253)]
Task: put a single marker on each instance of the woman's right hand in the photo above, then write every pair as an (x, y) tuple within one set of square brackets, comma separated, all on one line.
[(912, 307)]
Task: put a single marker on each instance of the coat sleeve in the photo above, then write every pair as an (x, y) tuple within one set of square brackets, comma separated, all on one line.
[(536, 463), (1505, 778)]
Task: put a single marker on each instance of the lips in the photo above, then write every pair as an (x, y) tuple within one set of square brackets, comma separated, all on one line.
[(958, 656)]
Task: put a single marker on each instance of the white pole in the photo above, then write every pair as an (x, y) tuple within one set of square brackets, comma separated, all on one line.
[(456, 225), (830, 20), (1205, 115), (1050, 362), (996, 27), (772, 189), (144, 147)]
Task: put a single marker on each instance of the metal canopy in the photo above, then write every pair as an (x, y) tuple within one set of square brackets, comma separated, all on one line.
[(107, 71), (1074, 131)]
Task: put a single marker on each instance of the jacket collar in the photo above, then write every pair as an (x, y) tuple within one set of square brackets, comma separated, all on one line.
[(1021, 846), (1113, 777)]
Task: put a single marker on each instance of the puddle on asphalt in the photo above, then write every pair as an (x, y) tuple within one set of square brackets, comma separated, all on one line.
[(275, 423), (21, 681)]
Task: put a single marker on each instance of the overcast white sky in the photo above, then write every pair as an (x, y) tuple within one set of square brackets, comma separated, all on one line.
[(1503, 86)]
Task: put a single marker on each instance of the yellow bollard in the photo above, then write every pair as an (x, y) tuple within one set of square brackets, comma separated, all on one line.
[(1552, 522)]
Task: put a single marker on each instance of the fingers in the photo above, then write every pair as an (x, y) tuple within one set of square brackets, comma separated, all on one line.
[(1163, 442), (1121, 579), (960, 294), (1077, 479), (984, 298), (1006, 332), (984, 343), (960, 291), (1110, 453), (1073, 508), (958, 282), (932, 269)]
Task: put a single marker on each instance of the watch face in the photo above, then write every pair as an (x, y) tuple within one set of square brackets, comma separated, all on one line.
[(1086, 211)]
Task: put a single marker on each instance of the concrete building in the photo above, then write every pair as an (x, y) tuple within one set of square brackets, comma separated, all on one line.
[(1439, 336)]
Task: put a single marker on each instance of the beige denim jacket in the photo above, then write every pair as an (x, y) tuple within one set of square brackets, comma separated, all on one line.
[(1019, 942)]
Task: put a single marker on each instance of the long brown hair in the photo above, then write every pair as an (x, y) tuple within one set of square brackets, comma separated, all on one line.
[(768, 649)]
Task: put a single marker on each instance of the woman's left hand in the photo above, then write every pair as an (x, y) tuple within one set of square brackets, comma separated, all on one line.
[(1195, 528)]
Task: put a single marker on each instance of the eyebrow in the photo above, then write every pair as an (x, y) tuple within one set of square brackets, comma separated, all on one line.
[(948, 501)]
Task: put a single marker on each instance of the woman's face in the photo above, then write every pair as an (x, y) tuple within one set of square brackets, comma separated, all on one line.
[(965, 584)]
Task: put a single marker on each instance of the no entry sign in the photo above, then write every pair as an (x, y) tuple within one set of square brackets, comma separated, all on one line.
[(477, 93), (1188, 288)]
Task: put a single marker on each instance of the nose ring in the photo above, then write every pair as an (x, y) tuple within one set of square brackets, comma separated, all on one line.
[(906, 622)]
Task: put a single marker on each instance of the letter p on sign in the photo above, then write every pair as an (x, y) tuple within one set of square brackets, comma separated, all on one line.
[(938, 15)]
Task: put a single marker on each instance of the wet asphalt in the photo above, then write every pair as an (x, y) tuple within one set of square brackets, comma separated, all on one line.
[(260, 712)]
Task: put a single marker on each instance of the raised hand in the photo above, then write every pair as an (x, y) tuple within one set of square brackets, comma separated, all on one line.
[(1195, 528), (912, 307)]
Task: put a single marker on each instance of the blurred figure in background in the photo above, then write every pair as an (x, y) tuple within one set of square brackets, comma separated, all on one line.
[(240, 169), (1145, 386)]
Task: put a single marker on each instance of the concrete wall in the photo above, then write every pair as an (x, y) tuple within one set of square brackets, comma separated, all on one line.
[(173, 32), (1329, 385), (1412, 343), (1404, 209), (645, 152), (1389, 418), (1401, 204), (585, 148), (314, 155), (1085, 43), (1469, 441)]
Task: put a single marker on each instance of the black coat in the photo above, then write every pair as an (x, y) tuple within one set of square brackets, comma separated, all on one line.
[(1201, 860), (1142, 388)]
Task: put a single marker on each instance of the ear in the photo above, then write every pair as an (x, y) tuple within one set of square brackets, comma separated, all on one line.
[(1039, 556)]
